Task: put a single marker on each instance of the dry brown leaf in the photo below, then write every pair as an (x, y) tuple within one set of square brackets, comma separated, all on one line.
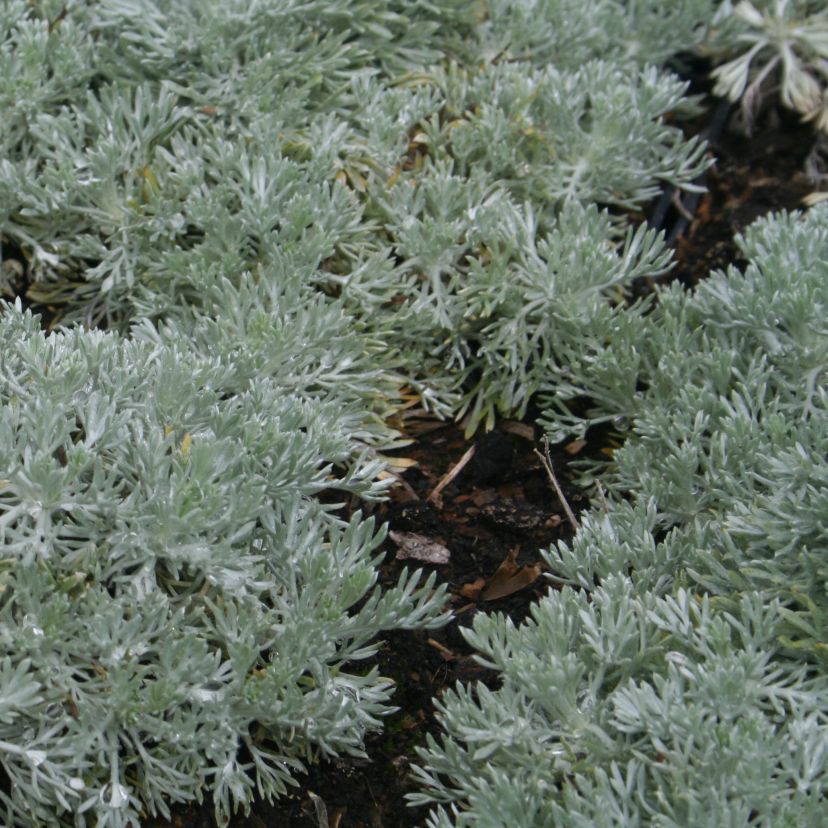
[(519, 429), (509, 578), (420, 548), (473, 589), (524, 577), (483, 497), (508, 566), (574, 447)]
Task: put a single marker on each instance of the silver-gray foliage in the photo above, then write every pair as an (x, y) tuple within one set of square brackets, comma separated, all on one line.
[(677, 675), (177, 609), (380, 163), (780, 46), (290, 215)]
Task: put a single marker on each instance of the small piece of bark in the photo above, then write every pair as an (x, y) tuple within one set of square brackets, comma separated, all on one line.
[(420, 548)]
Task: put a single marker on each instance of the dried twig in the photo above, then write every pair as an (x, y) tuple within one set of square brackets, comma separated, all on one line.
[(444, 651), (679, 205), (434, 497), (547, 464), (602, 496), (320, 809)]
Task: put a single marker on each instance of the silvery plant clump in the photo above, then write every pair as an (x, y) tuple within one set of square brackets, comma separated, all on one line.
[(368, 154), (179, 613), (266, 227), (676, 673), (773, 48)]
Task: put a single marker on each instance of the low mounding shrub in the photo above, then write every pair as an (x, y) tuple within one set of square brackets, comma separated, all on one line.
[(677, 674), (275, 209), (428, 200), (178, 613), (292, 217)]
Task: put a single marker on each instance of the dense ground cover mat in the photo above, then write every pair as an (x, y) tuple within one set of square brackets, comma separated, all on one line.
[(176, 609), (269, 228), (677, 675), (403, 193)]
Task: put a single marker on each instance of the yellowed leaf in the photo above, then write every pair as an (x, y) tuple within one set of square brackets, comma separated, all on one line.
[(399, 463), (358, 181)]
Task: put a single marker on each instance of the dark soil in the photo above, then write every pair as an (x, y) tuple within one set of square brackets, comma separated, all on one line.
[(501, 509), (751, 178)]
